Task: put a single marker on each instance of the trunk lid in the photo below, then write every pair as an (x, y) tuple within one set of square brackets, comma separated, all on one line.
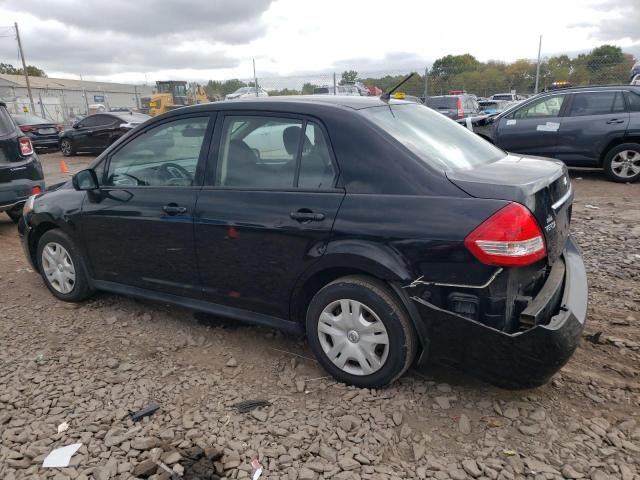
[(542, 185)]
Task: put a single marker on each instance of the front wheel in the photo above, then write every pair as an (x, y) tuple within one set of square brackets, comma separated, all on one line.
[(622, 163), (62, 267), (67, 148), (360, 332)]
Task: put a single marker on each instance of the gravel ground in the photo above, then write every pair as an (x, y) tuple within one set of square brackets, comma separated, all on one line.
[(89, 364)]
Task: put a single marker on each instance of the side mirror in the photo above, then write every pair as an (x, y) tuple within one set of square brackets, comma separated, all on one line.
[(86, 180), (76, 125)]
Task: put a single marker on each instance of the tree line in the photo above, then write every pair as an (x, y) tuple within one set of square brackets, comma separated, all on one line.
[(32, 70)]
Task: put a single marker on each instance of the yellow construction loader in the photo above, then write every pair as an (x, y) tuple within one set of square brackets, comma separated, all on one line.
[(172, 94)]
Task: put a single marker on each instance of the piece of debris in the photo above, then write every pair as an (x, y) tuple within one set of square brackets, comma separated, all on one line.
[(256, 469), (248, 405), (591, 207), (60, 457), (232, 362), (63, 427), (595, 338), (144, 412)]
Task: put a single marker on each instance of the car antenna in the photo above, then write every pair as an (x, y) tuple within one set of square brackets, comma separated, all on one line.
[(385, 97)]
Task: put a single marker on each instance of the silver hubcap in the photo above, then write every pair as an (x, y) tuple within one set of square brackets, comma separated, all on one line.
[(626, 164), (65, 147), (58, 267), (353, 337)]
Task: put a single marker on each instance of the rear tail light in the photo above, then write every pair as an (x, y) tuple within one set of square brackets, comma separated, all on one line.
[(460, 109), (25, 128), (25, 147), (36, 190), (511, 237)]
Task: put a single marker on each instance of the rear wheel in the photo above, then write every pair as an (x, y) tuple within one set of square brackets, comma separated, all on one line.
[(622, 163), (62, 267), (67, 147), (360, 332)]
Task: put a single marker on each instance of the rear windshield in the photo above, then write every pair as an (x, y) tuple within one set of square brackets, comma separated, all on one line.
[(442, 102), (29, 120), (6, 123), (321, 90), (503, 97), (434, 138)]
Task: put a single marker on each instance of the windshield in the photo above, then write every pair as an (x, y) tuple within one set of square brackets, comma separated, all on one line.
[(435, 139), (245, 90), (507, 96), (29, 120), (442, 102)]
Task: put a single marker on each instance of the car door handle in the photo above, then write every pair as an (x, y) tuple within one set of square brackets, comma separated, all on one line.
[(306, 216), (614, 120), (174, 209)]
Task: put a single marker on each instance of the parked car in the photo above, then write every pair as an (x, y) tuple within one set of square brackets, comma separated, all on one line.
[(20, 170), (384, 231), (491, 107), (344, 90), (454, 106), (635, 70), (635, 80), (582, 126), (509, 97), (42, 133), (247, 92), (94, 133)]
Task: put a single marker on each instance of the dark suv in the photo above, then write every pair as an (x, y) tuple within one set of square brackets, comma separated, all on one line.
[(583, 127), (381, 229), (20, 170), (455, 106)]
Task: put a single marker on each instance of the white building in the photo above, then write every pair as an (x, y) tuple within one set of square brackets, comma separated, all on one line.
[(61, 99)]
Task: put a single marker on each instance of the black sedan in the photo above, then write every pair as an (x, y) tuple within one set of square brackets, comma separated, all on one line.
[(43, 133), (384, 231), (95, 133)]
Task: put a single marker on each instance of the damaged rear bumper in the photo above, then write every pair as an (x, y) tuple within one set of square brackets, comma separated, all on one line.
[(524, 359)]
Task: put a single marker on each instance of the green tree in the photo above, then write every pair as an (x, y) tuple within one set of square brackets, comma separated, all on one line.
[(308, 88), (454, 64), (348, 77), (284, 91), (32, 70), (218, 89)]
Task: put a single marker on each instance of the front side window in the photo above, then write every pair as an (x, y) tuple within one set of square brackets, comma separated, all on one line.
[(545, 107), (633, 100), (434, 139), (258, 152), (166, 155), (595, 103)]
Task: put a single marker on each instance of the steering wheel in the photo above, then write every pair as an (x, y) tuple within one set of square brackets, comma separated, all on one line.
[(175, 172)]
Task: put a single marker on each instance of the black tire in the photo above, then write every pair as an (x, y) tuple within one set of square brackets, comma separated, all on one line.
[(380, 299), (612, 155), (67, 147), (15, 214), (81, 288)]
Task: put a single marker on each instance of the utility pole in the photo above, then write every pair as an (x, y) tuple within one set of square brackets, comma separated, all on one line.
[(538, 67), (84, 94), (426, 84), (255, 79), (24, 69)]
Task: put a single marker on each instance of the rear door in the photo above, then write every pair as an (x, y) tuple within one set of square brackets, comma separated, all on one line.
[(267, 209), (533, 128), (592, 120)]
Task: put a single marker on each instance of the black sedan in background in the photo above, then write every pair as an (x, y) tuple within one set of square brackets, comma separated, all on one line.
[(95, 133), (384, 231), (43, 133)]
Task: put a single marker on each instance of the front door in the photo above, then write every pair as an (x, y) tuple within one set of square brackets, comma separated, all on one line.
[(93, 132), (139, 228), (267, 211), (533, 128), (592, 121)]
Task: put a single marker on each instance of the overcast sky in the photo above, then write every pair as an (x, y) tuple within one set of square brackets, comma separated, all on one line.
[(138, 40)]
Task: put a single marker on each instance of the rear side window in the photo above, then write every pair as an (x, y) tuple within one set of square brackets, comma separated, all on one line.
[(6, 123), (258, 152), (442, 102), (594, 103), (316, 168), (633, 100)]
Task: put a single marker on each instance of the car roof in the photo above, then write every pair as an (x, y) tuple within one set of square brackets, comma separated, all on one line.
[(340, 101), (592, 87)]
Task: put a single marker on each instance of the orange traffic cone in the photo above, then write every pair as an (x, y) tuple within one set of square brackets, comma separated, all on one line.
[(63, 167)]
